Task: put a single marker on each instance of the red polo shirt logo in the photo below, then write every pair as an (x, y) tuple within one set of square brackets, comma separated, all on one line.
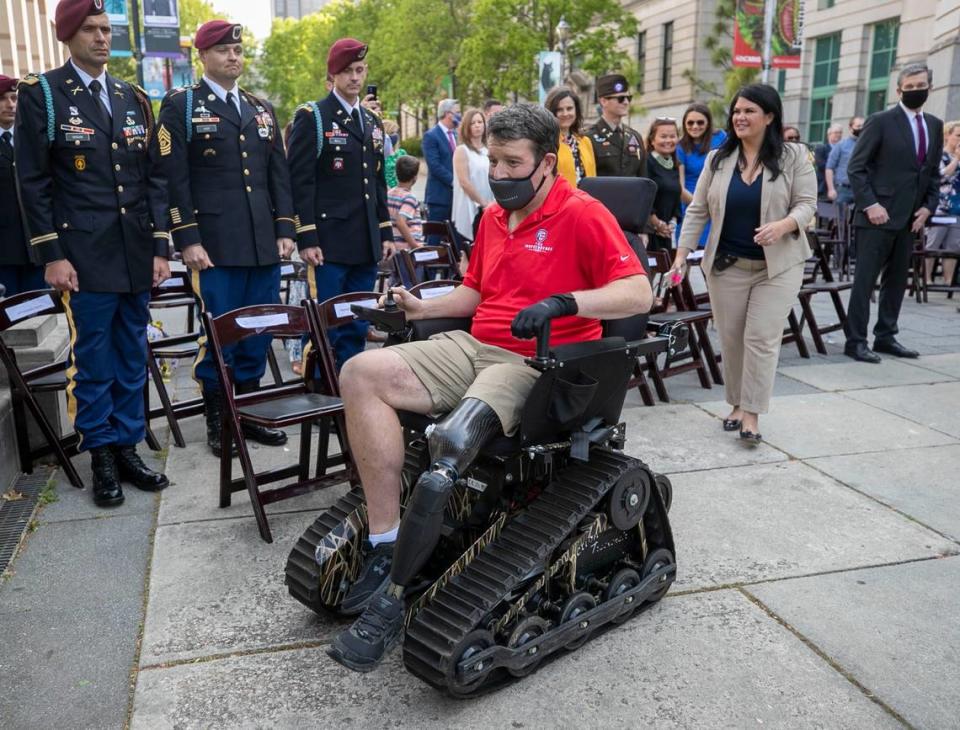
[(570, 243)]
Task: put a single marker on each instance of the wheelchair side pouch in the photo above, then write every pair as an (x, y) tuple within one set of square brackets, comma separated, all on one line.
[(570, 398), (722, 262)]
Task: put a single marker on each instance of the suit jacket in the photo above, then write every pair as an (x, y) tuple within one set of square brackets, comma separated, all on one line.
[(94, 194), (340, 197), (793, 193), (884, 169), (229, 187), (439, 157), (13, 240)]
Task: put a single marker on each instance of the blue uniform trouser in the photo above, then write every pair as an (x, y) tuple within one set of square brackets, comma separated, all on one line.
[(222, 289), (108, 366), (331, 280), (19, 278)]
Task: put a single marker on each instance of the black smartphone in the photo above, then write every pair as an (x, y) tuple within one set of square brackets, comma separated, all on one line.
[(372, 90)]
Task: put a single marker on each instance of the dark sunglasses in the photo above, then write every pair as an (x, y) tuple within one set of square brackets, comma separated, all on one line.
[(696, 123), (621, 98)]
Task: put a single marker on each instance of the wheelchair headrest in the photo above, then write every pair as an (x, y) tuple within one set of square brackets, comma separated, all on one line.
[(630, 199)]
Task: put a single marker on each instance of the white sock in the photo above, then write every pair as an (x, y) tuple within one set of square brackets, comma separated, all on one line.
[(388, 536)]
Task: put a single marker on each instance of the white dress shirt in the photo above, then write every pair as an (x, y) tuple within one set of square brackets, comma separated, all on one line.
[(102, 78), (221, 92), (349, 109)]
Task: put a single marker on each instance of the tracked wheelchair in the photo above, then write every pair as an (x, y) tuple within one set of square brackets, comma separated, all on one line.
[(513, 548)]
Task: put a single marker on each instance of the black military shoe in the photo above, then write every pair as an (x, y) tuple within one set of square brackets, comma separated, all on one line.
[(263, 435), (372, 635), (106, 487), (212, 408), (373, 578), (132, 469), (892, 347), (862, 353)]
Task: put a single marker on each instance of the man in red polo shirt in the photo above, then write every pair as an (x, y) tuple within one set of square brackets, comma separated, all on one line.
[(545, 251)]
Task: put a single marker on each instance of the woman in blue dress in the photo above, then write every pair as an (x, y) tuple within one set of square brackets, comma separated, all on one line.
[(699, 137)]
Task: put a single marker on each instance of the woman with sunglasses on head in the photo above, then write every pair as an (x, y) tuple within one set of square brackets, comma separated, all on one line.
[(663, 170), (575, 157), (697, 138), (760, 193)]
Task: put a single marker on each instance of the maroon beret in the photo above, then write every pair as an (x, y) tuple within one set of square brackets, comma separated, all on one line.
[(71, 14), (344, 52), (215, 32), (7, 84)]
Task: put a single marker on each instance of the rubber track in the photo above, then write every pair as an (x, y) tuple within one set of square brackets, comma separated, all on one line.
[(526, 543)]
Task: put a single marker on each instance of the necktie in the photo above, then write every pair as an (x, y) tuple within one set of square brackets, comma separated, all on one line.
[(452, 140), (921, 140), (232, 103), (6, 146), (355, 114), (95, 89)]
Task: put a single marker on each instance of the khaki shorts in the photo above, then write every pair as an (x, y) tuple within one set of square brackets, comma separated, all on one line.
[(946, 238), (455, 365)]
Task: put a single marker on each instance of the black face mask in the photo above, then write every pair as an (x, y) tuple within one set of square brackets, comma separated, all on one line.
[(855, 132), (515, 193), (914, 98)]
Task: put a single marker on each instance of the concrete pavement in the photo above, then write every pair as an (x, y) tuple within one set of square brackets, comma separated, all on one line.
[(817, 582)]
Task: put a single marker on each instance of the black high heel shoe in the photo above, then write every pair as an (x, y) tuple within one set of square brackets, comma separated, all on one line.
[(731, 424), (749, 438)]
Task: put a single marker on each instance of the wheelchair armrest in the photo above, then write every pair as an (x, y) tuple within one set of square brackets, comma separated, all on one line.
[(394, 322), (423, 329)]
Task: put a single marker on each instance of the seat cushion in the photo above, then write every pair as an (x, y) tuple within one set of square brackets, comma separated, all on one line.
[(291, 408)]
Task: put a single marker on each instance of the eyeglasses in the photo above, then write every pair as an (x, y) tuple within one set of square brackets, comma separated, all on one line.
[(621, 98), (791, 138), (696, 122)]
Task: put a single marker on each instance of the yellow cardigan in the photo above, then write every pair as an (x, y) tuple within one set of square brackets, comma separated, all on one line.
[(565, 160)]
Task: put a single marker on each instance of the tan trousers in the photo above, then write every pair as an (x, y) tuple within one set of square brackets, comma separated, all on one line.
[(750, 311)]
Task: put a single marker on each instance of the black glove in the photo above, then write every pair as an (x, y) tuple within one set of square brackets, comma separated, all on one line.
[(530, 321)]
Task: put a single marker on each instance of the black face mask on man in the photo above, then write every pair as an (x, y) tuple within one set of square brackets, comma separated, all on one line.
[(914, 98), (515, 193)]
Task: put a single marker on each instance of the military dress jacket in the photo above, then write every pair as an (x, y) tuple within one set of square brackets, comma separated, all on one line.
[(340, 196), (227, 177), (91, 192), (13, 240), (619, 152)]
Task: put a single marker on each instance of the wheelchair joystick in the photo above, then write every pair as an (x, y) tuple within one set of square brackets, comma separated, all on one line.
[(542, 360), (390, 304)]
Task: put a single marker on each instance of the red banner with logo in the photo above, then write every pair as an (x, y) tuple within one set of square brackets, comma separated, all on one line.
[(786, 42)]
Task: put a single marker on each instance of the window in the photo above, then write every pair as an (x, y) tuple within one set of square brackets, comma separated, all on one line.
[(641, 60), (882, 57), (826, 66), (667, 70)]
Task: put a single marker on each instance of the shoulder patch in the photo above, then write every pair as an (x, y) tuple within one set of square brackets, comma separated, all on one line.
[(305, 107), (30, 80), (140, 90)]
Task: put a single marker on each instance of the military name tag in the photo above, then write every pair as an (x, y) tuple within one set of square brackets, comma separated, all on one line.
[(338, 140), (205, 128), (77, 137)]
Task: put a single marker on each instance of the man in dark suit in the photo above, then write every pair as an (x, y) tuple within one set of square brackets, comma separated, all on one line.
[(438, 145), (895, 176), (340, 190), (95, 206), (231, 209), (18, 273)]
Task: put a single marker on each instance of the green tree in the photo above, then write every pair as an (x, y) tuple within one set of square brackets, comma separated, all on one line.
[(719, 42), (498, 57)]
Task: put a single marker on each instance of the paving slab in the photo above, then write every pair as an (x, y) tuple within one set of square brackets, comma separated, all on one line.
[(674, 438), (772, 521), (947, 363), (935, 406), (827, 424), (896, 641), (697, 661), (852, 375), (216, 587), (922, 483), (70, 615)]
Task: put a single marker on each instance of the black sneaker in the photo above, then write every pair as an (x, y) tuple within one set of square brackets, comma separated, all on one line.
[(373, 634), (373, 578)]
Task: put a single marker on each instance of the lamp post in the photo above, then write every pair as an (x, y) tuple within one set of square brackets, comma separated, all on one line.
[(563, 35)]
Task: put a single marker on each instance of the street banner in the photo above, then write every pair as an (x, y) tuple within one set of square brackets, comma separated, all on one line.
[(161, 28), (786, 42), (120, 45), (154, 77), (548, 66)]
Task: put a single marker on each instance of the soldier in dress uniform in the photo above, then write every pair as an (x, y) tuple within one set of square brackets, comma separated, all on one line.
[(340, 191), (221, 150), (18, 272), (618, 148), (95, 208)]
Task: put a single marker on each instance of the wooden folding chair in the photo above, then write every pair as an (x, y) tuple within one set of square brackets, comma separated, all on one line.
[(434, 288), (290, 272), (272, 407), (175, 291), (427, 263), (827, 286), (25, 384)]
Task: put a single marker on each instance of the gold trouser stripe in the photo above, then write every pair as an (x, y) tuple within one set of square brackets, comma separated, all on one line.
[(304, 359), (71, 371), (312, 281), (202, 340)]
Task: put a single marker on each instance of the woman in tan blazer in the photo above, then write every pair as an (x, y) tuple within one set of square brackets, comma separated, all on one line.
[(575, 159), (759, 193)]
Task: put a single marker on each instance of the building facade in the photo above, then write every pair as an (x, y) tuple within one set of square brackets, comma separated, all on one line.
[(27, 38), (296, 8), (853, 50)]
